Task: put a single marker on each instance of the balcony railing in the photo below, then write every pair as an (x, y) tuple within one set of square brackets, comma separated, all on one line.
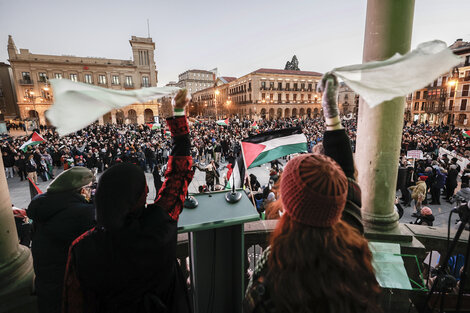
[(26, 82), (128, 85)]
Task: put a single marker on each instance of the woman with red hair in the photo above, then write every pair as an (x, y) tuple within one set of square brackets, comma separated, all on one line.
[(317, 260)]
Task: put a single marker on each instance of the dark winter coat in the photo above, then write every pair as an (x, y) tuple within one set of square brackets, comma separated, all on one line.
[(58, 218)]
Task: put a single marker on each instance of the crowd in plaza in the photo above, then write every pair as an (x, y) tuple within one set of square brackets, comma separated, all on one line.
[(118, 235)]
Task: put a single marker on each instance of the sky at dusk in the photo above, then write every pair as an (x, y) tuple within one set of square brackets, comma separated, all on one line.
[(237, 37)]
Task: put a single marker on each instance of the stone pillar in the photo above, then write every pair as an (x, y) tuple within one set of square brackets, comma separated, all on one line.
[(388, 30), (113, 117), (101, 121), (16, 265)]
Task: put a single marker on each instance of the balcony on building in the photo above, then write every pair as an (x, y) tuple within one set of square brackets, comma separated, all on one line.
[(129, 85), (26, 82)]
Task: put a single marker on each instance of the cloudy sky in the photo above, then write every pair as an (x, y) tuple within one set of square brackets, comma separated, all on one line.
[(237, 37)]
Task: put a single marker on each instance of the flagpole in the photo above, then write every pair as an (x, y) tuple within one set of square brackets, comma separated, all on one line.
[(246, 172)]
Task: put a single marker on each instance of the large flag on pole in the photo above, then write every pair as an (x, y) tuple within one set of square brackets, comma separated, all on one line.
[(34, 140), (269, 146), (77, 105)]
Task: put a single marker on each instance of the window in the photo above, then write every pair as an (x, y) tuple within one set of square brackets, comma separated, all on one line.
[(416, 106), (295, 86), (463, 105), (102, 79), (302, 97), (302, 86), (271, 96), (279, 98), (451, 104), (263, 96), (422, 105), (295, 96), (444, 80), (271, 85), (73, 77), (249, 86), (309, 96), (263, 85), (129, 81), (115, 80), (145, 81), (88, 79), (42, 77), (310, 87), (279, 86), (26, 76), (418, 94), (287, 86), (465, 90), (452, 91), (287, 98), (467, 60), (58, 75)]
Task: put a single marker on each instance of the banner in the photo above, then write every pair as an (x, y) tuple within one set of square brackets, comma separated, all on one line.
[(414, 154), (462, 161)]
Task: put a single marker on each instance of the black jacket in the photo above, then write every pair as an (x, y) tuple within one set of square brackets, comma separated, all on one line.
[(58, 218)]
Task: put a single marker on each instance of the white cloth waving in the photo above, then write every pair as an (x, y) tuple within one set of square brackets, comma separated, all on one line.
[(400, 75), (77, 105)]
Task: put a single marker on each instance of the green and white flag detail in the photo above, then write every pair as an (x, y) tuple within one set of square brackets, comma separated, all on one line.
[(269, 146), (35, 139)]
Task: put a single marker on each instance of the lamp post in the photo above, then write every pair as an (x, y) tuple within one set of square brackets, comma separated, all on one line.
[(454, 82), (216, 93)]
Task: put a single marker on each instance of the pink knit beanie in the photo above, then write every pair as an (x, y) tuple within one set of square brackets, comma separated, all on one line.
[(314, 190)]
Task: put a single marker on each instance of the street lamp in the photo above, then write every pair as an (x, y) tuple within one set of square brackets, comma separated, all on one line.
[(452, 83), (216, 92)]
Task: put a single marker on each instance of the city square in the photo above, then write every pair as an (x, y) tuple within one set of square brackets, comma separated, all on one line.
[(252, 161)]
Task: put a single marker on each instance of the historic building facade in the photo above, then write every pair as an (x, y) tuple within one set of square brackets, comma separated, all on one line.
[(8, 102), (32, 72), (196, 80), (348, 100), (271, 93), (447, 99)]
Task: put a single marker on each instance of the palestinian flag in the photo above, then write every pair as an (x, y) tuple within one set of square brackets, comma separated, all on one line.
[(269, 146), (154, 126), (254, 125), (222, 122), (466, 133), (35, 139), (235, 173)]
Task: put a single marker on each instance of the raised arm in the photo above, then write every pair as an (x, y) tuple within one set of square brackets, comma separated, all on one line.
[(335, 142), (178, 174)]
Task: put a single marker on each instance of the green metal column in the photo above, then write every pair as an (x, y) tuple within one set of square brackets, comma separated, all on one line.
[(388, 31), (16, 266)]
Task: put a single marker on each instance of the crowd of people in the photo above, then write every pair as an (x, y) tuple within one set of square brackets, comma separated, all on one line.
[(103, 243)]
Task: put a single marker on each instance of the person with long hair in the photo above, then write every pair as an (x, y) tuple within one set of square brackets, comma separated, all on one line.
[(318, 260), (127, 263)]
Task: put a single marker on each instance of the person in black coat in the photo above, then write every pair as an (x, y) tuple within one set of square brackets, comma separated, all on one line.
[(157, 180), (128, 262), (20, 163), (59, 216)]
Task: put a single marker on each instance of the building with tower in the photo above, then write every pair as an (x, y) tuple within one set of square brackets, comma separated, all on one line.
[(31, 74)]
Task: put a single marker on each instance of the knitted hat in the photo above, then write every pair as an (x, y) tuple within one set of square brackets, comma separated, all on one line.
[(423, 178), (71, 179), (314, 190), (426, 211)]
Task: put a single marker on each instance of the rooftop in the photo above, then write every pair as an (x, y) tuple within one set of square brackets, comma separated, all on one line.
[(285, 72)]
